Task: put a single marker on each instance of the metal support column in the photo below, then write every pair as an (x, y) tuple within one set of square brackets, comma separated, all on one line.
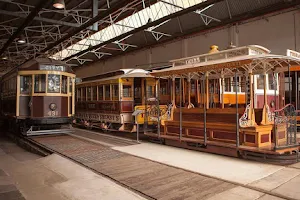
[(95, 13), (237, 111)]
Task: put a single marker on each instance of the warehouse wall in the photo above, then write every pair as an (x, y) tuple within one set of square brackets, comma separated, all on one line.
[(277, 33)]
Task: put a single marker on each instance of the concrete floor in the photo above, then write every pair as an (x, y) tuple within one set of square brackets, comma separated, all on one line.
[(279, 180), (27, 176)]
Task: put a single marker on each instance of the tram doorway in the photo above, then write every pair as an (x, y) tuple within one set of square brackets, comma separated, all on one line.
[(292, 89), (137, 84)]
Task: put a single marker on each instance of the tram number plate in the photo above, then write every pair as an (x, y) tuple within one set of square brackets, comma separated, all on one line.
[(53, 113)]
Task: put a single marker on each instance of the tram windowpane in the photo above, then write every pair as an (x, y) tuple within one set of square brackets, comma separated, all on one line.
[(40, 83), (53, 83), (94, 93), (115, 92), (287, 82), (243, 84), (83, 94), (150, 90), (271, 81), (163, 87), (234, 84), (78, 94), (260, 82), (25, 84), (127, 91), (64, 86), (227, 85), (107, 92), (89, 94), (70, 84), (100, 92)]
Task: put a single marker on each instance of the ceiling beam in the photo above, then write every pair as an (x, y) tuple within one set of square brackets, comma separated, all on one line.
[(42, 19), (115, 7), (213, 26), (146, 26), (26, 22)]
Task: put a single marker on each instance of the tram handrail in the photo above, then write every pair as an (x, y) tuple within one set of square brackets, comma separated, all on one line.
[(281, 109)]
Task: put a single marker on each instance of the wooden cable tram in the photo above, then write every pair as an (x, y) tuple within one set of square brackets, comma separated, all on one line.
[(232, 102)]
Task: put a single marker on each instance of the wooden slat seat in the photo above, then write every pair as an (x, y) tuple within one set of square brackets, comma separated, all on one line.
[(220, 124)]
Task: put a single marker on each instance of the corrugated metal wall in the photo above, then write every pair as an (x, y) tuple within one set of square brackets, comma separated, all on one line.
[(277, 33)]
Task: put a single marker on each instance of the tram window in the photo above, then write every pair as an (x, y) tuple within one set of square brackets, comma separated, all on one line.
[(193, 86), (127, 91), (260, 82), (163, 87), (227, 85), (287, 83), (40, 83), (107, 92), (71, 84), (83, 94), (150, 92), (89, 94), (234, 84), (53, 83), (94, 93), (25, 84), (79, 94), (100, 92), (271, 81), (243, 84), (115, 93), (64, 85)]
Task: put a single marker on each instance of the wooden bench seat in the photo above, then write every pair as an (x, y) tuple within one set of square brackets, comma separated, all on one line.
[(220, 124)]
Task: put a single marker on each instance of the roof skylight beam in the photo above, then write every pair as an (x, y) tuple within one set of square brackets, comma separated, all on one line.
[(155, 11)]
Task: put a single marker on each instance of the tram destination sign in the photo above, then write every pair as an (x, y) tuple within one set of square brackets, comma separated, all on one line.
[(293, 54), (226, 54), (53, 68)]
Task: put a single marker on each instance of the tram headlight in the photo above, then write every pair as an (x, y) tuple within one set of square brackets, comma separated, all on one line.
[(52, 106)]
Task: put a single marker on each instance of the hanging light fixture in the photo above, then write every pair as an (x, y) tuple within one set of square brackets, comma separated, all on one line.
[(21, 40), (59, 4)]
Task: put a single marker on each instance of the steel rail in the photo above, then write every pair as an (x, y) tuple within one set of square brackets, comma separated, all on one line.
[(31, 140)]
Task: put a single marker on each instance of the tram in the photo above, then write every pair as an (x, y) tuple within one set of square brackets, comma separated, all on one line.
[(38, 97), (109, 101), (233, 102)]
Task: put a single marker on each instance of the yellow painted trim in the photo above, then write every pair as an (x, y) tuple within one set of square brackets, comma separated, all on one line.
[(34, 72)]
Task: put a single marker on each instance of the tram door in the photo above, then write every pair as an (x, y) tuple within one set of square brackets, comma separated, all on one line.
[(137, 91), (292, 89)]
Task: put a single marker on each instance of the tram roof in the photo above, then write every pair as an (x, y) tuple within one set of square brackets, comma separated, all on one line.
[(253, 58), (122, 73)]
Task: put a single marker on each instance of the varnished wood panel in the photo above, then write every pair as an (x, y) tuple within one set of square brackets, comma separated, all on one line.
[(250, 138)]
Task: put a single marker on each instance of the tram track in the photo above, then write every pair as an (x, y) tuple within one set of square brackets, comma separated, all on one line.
[(39, 141)]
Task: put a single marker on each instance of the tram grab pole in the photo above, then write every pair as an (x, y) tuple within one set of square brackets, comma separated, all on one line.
[(180, 108), (204, 113), (158, 110), (275, 102), (237, 111)]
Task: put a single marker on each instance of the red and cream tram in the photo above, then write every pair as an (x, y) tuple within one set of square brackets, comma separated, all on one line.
[(38, 97), (107, 101), (232, 102)]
